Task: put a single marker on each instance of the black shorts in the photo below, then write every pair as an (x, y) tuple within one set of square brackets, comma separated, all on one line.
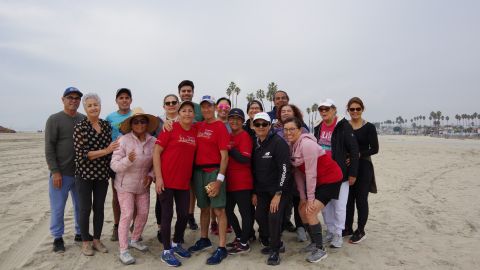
[(327, 192)]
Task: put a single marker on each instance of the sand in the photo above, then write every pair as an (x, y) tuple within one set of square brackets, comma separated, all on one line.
[(425, 216)]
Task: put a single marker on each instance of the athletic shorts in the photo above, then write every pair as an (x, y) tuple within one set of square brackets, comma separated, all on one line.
[(200, 180), (327, 192)]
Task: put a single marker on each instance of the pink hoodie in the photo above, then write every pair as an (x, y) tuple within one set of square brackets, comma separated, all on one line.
[(306, 156), (130, 175)]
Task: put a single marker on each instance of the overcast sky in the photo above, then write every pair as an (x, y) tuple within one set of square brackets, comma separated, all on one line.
[(405, 57)]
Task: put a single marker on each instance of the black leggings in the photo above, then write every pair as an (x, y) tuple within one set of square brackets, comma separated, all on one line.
[(293, 205), (158, 211), (270, 224), (182, 203), (358, 194), (242, 198), (85, 189)]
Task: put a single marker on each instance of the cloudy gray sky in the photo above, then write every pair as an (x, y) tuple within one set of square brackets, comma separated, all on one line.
[(405, 57)]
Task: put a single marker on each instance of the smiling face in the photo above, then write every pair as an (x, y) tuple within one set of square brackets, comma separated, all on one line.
[(92, 108), (236, 123), (355, 110), (261, 128), (170, 105), (186, 115), (123, 101), (286, 112), (186, 93), (71, 102), (223, 108), (253, 109), (327, 113), (208, 110), (292, 132), (139, 125), (280, 99)]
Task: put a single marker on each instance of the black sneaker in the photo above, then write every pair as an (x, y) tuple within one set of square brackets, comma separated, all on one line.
[(289, 226), (239, 248), (233, 243), (58, 245), (78, 238), (264, 241), (273, 259), (357, 237), (267, 250), (347, 232), (192, 224)]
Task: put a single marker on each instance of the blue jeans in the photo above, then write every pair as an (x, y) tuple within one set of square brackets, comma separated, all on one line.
[(58, 199)]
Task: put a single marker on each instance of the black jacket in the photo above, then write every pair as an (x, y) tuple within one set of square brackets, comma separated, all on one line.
[(344, 145), (271, 165)]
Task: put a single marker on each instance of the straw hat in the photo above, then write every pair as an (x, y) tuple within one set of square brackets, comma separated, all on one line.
[(125, 127)]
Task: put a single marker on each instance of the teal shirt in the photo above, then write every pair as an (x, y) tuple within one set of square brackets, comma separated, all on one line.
[(115, 119), (198, 112)]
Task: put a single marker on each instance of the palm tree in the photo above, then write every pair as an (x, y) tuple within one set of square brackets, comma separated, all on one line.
[(457, 117), (272, 88), (315, 110), (250, 97), (309, 121), (236, 91), (430, 118), (230, 90), (474, 116), (447, 118), (260, 96)]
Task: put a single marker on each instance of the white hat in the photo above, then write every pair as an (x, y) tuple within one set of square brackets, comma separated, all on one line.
[(263, 116), (327, 103), (209, 99)]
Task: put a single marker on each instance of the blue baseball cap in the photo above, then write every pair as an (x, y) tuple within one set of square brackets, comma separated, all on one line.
[(236, 112), (208, 99), (70, 90)]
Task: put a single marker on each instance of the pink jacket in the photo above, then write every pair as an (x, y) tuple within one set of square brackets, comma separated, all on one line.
[(129, 175), (306, 152)]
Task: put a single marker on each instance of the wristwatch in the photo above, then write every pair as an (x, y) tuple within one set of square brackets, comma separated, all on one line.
[(278, 193)]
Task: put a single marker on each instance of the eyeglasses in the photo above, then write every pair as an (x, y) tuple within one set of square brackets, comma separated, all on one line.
[(171, 103), (223, 106), (73, 98), (139, 122), (288, 130), (263, 124), (358, 109), (324, 109)]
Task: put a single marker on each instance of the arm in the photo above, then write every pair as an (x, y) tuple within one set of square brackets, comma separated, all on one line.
[(372, 141), (120, 161), (51, 136), (282, 160), (352, 149), (310, 156), (157, 168), (235, 154)]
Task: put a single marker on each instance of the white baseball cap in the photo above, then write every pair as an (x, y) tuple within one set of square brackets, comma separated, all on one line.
[(328, 102), (263, 116)]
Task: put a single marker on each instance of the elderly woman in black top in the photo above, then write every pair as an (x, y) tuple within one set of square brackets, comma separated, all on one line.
[(92, 141)]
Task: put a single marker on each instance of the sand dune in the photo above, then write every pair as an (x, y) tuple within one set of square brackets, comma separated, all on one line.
[(426, 214)]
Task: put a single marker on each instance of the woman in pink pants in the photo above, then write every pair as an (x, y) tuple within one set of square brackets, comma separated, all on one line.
[(132, 162)]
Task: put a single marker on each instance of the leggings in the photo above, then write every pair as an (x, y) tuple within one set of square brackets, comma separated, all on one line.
[(158, 211), (242, 198), (128, 203), (182, 203), (270, 224), (359, 195), (87, 188)]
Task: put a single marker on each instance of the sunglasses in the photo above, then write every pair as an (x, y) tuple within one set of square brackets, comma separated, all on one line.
[(223, 106), (73, 98), (263, 124), (139, 122), (324, 109), (358, 109), (171, 103)]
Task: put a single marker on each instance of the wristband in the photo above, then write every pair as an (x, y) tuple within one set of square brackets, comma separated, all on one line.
[(220, 177)]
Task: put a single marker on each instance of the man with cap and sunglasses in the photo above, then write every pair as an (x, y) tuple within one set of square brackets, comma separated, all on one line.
[(60, 156), (123, 98)]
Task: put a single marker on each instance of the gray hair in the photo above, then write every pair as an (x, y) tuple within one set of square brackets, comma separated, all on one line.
[(90, 96)]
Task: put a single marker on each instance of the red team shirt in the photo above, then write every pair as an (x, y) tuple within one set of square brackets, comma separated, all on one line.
[(238, 175), (211, 139), (325, 139), (177, 157)]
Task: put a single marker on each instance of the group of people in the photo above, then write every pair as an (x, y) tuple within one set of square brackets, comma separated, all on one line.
[(267, 165)]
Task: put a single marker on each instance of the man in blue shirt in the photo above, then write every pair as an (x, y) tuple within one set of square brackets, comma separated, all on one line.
[(123, 98)]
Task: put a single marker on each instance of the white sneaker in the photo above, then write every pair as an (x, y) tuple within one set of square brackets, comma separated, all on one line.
[(301, 234), (138, 245), (337, 241), (328, 238), (126, 258)]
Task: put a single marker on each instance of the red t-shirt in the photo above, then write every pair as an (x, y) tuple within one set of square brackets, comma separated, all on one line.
[(177, 156), (211, 139), (325, 139), (328, 171), (239, 175)]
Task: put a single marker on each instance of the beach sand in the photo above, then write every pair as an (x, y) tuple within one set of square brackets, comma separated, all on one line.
[(426, 214)]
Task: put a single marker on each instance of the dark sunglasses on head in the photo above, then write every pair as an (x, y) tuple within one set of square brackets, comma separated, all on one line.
[(263, 124), (358, 109), (171, 103), (139, 122), (73, 98)]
